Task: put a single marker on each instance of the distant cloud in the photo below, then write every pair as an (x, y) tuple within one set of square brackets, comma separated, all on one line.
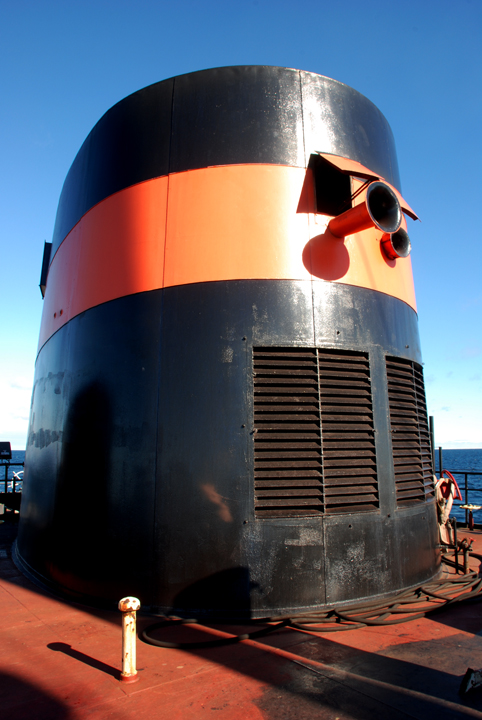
[(17, 416), (468, 353), (473, 302), (15, 397), (459, 444), (445, 408), (430, 379), (475, 377), (20, 385)]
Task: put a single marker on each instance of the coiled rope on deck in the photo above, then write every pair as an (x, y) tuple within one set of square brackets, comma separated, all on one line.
[(402, 607)]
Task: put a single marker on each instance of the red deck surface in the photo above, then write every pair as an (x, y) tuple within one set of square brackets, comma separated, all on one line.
[(60, 660)]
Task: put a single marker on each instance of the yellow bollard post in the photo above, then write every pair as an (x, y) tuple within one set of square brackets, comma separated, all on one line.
[(128, 607)]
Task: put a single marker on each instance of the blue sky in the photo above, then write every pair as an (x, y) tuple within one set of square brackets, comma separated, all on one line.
[(64, 63)]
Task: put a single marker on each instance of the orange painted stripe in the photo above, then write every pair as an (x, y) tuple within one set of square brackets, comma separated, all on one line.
[(116, 249), (235, 222)]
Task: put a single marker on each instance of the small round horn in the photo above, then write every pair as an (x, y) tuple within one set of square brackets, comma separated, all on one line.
[(396, 245)]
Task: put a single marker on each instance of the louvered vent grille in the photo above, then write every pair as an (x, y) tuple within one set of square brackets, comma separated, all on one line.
[(298, 394), (287, 443), (410, 433), (349, 461)]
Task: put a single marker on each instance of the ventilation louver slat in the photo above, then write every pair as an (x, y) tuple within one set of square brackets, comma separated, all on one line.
[(302, 395), (288, 470), (349, 461), (412, 458)]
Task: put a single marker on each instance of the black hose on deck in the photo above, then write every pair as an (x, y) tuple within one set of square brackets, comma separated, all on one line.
[(435, 596), (144, 635)]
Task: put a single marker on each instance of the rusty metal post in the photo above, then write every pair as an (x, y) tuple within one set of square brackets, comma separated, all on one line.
[(456, 545), (128, 607)]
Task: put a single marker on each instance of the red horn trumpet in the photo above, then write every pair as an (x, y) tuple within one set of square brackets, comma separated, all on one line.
[(396, 245), (380, 209)]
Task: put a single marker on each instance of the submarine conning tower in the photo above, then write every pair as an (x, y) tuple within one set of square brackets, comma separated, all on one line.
[(228, 414)]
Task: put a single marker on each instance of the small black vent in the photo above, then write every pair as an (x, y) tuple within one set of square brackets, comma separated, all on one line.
[(332, 187), (412, 457), (349, 461), (301, 394)]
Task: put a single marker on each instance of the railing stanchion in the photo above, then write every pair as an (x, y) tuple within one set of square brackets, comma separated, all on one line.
[(456, 545), (432, 440)]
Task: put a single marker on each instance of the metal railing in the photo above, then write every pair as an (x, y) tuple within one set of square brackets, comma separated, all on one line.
[(10, 484), (466, 489)]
